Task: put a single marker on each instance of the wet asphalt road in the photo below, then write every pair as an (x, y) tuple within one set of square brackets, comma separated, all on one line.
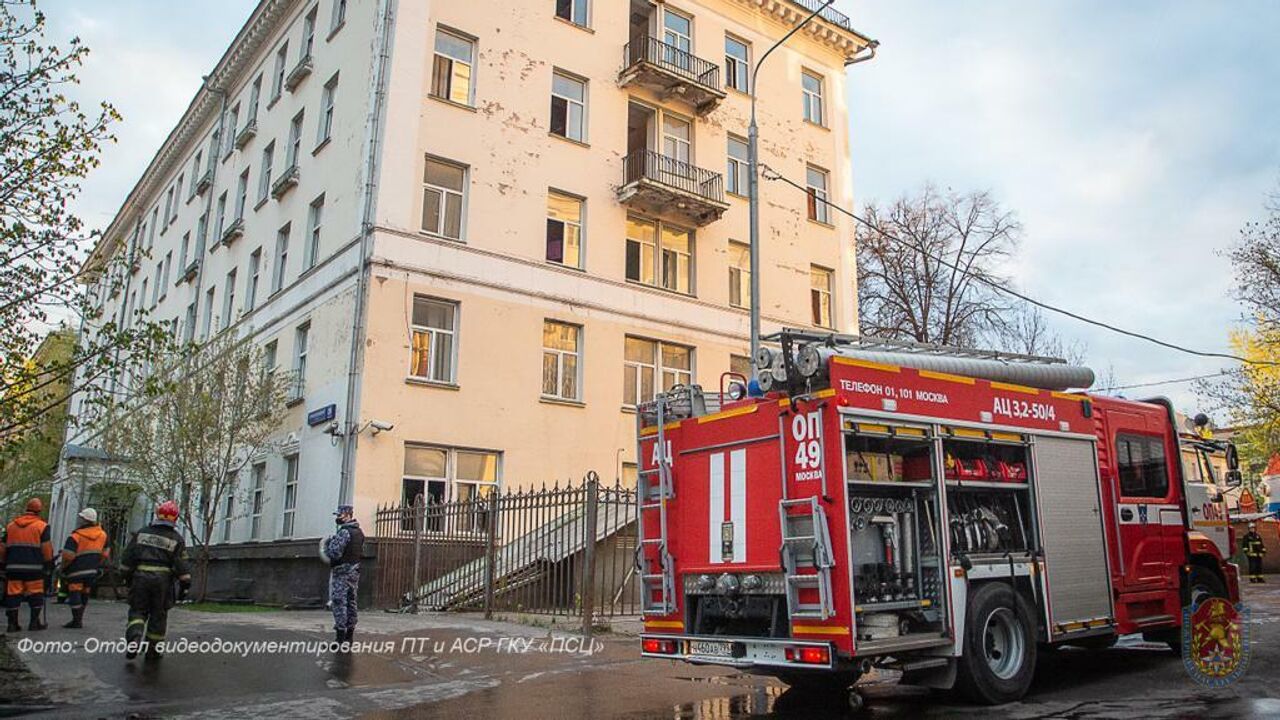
[(447, 674)]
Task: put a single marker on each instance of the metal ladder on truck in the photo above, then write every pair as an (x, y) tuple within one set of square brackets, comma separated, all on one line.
[(806, 544), (657, 575)]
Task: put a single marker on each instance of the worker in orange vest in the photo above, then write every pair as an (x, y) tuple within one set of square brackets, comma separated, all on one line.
[(82, 557), (27, 554)]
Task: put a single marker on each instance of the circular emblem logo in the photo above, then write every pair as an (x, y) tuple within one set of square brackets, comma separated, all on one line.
[(1215, 641)]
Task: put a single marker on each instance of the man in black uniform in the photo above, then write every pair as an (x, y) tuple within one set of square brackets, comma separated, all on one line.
[(155, 557), (1253, 552)]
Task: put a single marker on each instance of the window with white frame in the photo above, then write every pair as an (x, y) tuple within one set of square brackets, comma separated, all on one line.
[(242, 193), (301, 345), (295, 141), (255, 272), (452, 69), (339, 15), (195, 173), (577, 12), (185, 248), (561, 360), (264, 175), (189, 324), (229, 508), (737, 63), (738, 177), (564, 229), (229, 141), (257, 499), (817, 182), (324, 129), (229, 300), (443, 195), (169, 213), (308, 34), (820, 295), (649, 364), (811, 85), (168, 268), (207, 323), (177, 198), (145, 281), (442, 474), (290, 495), (660, 255), (220, 218), (434, 340), (277, 77), (315, 218), (255, 97), (568, 106), (282, 259), (677, 138), (159, 284), (739, 274), (202, 234)]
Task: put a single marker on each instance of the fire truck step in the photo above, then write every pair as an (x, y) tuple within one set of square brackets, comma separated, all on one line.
[(652, 541), (804, 580)]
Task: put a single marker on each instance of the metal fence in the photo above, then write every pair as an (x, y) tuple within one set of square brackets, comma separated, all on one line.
[(557, 551), (681, 63), (650, 165)]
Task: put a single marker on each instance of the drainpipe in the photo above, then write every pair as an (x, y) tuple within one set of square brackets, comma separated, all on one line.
[(351, 423)]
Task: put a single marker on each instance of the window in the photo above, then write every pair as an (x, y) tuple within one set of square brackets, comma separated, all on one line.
[(812, 86), (1143, 469), (264, 176), (169, 213), (446, 474), (220, 218), (426, 475), (739, 274), (433, 352), (282, 259), (255, 270), (195, 173), (315, 216), (207, 323), (189, 324), (442, 198), (819, 210), (561, 360), (677, 138), (737, 63), (228, 510), (159, 285), (668, 265), (269, 353), (242, 193), (259, 475), (564, 229), (290, 494), (229, 300), (820, 296), (178, 187), (475, 477), (568, 107), (740, 364), (277, 77), (648, 362), (677, 31), (168, 266), (451, 75), (308, 34), (229, 130), (202, 235), (255, 95), (155, 222), (301, 338), (295, 141), (738, 177), (339, 15), (325, 128), (575, 11), (184, 248), (144, 291)]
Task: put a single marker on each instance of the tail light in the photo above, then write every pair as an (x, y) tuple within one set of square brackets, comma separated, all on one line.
[(658, 646), (809, 655)]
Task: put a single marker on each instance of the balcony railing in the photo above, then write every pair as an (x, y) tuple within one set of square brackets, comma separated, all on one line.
[(831, 15), (285, 182), (673, 72), (299, 73), (246, 134), (660, 184)]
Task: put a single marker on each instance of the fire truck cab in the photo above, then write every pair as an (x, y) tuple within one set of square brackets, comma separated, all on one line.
[(940, 512)]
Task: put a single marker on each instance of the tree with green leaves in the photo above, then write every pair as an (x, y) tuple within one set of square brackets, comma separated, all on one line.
[(204, 415), (48, 144)]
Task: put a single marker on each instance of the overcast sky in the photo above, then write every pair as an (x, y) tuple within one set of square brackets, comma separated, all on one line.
[(1133, 139)]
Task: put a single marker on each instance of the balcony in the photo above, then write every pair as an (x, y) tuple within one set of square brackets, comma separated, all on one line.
[(205, 182), (298, 73), (285, 182), (232, 232), (190, 271), (672, 73), (296, 391), (246, 134), (658, 185)]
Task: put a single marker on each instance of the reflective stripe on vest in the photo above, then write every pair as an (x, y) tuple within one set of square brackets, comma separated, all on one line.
[(153, 569)]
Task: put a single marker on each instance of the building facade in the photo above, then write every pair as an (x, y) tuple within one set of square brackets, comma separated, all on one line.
[(482, 232)]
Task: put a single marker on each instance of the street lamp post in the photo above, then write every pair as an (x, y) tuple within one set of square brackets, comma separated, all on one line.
[(753, 193)]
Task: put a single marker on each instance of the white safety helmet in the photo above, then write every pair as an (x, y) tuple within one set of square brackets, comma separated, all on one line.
[(89, 515)]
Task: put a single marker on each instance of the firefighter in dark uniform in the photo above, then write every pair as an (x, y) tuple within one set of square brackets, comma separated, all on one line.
[(343, 552), (82, 557), (1253, 552), (27, 555), (155, 557)]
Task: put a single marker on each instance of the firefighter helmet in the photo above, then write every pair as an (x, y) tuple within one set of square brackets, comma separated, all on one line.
[(167, 510), (34, 506)]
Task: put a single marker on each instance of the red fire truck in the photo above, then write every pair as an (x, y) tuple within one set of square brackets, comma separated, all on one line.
[(941, 512)]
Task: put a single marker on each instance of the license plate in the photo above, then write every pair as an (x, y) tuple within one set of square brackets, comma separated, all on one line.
[(710, 648)]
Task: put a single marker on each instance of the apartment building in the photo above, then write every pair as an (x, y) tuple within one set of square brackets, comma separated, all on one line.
[(494, 227)]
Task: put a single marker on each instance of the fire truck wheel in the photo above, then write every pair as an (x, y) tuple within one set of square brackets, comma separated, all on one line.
[(999, 646)]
